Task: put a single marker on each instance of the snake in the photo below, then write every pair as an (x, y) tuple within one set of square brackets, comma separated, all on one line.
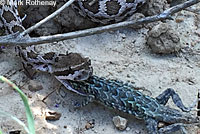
[(64, 67), (107, 11)]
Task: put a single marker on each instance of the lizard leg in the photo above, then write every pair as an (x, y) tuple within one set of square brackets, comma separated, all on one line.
[(79, 104), (164, 97), (152, 126), (173, 128)]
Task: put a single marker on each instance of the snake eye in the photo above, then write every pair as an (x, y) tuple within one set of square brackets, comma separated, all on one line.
[(56, 59), (43, 68), (46, 67)]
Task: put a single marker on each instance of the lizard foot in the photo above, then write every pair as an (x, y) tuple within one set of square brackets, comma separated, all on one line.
[(164, 97)]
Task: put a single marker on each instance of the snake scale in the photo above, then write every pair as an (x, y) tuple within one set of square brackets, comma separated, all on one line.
[(10, 18)]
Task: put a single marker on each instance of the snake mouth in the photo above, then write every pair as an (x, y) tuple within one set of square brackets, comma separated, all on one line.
[(69, 87)]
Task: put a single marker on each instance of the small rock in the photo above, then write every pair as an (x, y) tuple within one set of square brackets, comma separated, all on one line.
[(34, 86), (128, 75), (179, 20), (90, 124), (137, 132), (52, 115), (119, 122), (161, 124), (163, 39), (15, 132), (128, 129)]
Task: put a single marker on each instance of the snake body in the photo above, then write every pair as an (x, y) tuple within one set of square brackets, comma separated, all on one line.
[(10, 19), (102, 11), (107, 11)]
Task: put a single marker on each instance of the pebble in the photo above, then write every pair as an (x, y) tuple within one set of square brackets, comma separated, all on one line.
[(15, 132), (90, 124), (119, 122), (137, 132), (52, 115), (161, 124), (128, 129), (34, 86)]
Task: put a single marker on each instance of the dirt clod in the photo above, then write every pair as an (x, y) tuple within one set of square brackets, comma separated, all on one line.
[(34, 86), (163, 39)]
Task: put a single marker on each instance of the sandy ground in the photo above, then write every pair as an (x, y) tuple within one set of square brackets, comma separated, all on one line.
[(121, 55)]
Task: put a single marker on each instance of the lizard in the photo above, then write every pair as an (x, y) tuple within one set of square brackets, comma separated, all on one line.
[(112, 93)]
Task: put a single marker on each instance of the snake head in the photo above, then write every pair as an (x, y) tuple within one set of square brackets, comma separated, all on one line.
[(72, 66)]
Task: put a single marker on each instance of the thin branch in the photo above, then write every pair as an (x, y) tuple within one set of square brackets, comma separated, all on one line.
[(47, 18), (15, 40), (181, 7)]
